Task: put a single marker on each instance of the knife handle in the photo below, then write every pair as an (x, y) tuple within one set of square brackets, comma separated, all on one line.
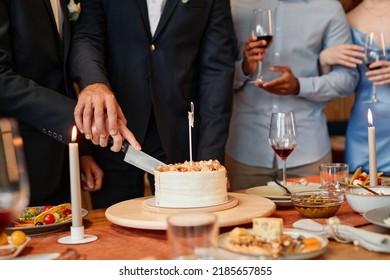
[(125, 144)]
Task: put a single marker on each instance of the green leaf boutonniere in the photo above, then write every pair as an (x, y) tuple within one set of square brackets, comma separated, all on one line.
[(185, 1), (74, 10)]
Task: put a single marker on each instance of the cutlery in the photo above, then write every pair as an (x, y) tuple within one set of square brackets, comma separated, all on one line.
[(283, 187), (139, 158), (368, 189)]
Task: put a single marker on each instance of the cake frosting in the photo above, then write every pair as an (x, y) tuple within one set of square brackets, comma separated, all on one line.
[(185, 185)]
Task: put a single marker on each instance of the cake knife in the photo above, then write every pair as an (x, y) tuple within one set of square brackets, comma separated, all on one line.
[(139, 158)]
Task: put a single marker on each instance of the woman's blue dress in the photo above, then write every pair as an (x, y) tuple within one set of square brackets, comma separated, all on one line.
[(356, 153)]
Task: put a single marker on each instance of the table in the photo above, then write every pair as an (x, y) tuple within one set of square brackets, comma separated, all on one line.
[(120, 243)]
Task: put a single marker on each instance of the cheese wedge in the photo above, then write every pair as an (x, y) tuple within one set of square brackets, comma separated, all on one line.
[(268, 229)]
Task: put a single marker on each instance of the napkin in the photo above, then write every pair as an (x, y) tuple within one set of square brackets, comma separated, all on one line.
[(372, 241), (298, 187)]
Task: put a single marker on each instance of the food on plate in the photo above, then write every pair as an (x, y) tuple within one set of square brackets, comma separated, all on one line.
[(362, 178), (56, 214), (3, 238), (18, 237), (268, 240), (35, 216), (196, 184)]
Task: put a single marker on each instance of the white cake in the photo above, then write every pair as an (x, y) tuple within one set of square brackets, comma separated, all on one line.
[(183, 185)]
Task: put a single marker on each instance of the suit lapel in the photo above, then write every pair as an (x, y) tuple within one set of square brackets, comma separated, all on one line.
[(143, 9), (170, 5), (66, 29), (52, 19)]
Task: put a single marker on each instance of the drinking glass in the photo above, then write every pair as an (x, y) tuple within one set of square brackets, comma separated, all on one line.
[(282, 136), (261, 27), (375, 50), (192, 235), (334, 176), (14, 186)]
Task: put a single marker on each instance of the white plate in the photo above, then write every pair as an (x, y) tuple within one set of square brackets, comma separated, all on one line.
[(152, 202), (270, 192), (48, 256), (293, 256), (17, 250), (37, 230), (377, 216)]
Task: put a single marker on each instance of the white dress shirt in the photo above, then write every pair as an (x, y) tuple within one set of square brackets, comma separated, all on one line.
[(58, 14), (155, 8)]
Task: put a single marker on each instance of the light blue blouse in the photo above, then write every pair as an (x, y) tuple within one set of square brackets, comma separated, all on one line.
[(302, 29)]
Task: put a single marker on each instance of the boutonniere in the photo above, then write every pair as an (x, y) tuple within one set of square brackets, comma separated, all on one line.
[(74, 10), (185, 1)]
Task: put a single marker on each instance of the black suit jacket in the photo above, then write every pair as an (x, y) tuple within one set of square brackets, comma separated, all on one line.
[(189, 58), (35, 89)]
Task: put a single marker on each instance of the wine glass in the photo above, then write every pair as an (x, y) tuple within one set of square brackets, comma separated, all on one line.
[(14, 185), (282, 136), (375, 50), (261, 27)]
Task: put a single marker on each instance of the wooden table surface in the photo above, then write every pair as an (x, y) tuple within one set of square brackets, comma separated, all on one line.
[(122, 243)]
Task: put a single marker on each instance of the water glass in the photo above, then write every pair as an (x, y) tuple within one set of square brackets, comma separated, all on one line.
[(334, 176)]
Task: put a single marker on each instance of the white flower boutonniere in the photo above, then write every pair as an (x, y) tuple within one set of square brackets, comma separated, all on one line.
[(185, 1), (74, 10)]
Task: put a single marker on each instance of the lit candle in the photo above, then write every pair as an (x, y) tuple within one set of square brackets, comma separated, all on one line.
[(371, 149), (75, 190), (190, 126)]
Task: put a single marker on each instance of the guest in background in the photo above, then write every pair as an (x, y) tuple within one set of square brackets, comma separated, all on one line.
[(302, 28), (36, 90), (364, 17), (153, 58)]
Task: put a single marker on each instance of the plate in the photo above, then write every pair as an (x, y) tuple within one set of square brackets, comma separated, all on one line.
[(293, 256), (11, 246), (152, 202), (377, 216), (270, 192), (37, 230)]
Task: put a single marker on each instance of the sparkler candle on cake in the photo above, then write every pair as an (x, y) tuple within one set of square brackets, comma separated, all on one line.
[(190, 126), (372, 150)]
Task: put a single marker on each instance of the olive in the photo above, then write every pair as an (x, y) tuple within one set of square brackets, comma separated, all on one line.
[(39, 224)]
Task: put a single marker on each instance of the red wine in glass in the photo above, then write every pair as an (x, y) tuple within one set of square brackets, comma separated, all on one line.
[(267, 38), (5, 219), (282, 136), (283, 153)]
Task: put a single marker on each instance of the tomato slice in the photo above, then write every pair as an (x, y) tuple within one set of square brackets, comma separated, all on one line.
[(47, 207), (49, 219)]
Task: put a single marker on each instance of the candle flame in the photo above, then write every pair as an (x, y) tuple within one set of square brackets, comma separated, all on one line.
[(369, 117), (74, 134)]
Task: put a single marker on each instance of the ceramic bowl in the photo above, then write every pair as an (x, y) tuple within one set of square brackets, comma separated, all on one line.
[(317, 204), (362, 200)]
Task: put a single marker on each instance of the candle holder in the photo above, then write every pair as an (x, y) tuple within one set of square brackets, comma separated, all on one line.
[(77, 236)]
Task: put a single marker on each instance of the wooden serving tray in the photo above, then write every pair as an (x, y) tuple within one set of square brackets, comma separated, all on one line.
[(131, 213)]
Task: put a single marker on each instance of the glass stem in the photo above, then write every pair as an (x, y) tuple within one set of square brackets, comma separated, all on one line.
[(373, 96), (259, 72), (284, 173)]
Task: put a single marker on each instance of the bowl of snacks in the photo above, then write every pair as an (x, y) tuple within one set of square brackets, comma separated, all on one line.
[(362, 200), (317, 204)]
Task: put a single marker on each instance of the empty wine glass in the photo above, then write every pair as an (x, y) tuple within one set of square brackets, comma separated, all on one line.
[(375, 50), (14, 186), (282, 136), (261, 27)]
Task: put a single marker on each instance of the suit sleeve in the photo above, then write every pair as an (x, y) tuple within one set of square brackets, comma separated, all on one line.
[(216, 82), (87, 53), (24, 99)]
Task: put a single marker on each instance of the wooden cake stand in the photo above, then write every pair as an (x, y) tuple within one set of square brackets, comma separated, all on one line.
[(141, 213)]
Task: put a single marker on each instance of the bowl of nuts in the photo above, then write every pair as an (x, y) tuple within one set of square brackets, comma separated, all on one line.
[(362, 200), (317, 204)]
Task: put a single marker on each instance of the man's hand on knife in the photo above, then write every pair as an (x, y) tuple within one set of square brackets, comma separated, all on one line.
[(98, 115)]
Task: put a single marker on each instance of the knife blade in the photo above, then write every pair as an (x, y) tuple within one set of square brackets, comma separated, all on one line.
[(139, 158)]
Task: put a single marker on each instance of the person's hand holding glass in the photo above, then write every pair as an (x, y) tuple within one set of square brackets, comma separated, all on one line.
[(375, 51), (282, 136), (261, 28)]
